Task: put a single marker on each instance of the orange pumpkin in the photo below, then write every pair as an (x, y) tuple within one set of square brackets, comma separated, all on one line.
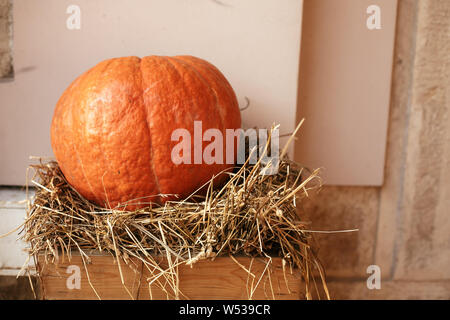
[(111, 128)]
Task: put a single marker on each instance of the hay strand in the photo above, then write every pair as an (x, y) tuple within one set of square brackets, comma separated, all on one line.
[(252, 214)]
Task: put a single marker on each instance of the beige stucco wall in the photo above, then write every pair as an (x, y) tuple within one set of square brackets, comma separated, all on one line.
[(344, 90), (403, 225)]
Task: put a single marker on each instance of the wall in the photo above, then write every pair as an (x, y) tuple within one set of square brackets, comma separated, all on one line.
[(6, 69), (48, 56), (403, 226), (12, 211), (344, 90)]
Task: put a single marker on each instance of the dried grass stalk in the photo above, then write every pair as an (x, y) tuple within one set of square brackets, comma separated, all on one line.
[(252, 214)]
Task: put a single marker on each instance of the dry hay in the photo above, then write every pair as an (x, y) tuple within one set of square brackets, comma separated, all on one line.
[(252, 214)]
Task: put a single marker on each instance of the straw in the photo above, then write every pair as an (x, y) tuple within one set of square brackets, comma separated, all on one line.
[(252, 214)]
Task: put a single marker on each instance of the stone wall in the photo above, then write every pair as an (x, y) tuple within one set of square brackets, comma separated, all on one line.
[(404, 225), (6, 70)]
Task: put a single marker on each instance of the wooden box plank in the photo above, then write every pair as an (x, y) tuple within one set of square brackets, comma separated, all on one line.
[(223, 278), (59, 281)]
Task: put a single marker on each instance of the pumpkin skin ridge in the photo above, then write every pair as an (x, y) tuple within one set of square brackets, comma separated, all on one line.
[(103, 136), (186, 68), (89, 73), (213, 75), (98, 87), (143, 197), (101, 75), (179, 75), (158, 61), (55, 127), (220, 177), (235, 121), (96, 199), (184, 63), (144, 106), (166, 64)]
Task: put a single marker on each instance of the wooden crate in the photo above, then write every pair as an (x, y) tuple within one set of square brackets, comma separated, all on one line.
[(220, 279)]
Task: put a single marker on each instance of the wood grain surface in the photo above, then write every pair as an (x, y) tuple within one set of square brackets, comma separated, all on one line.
[(223, 278)]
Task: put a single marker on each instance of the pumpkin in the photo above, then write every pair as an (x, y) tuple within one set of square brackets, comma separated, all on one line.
[(112, 128)]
